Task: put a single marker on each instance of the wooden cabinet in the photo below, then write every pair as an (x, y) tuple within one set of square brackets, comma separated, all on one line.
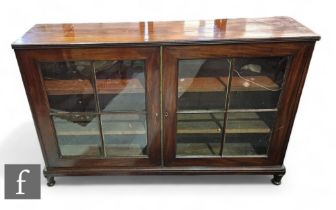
[(183, 97)]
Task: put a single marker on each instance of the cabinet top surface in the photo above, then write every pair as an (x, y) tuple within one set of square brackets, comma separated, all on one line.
[(166, 32)]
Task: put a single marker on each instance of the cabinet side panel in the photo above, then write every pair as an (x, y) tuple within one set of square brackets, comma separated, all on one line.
[(290, 101), (38, 105)]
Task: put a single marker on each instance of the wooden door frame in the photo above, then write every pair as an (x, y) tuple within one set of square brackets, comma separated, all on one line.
[(28, 62), (293, 83)]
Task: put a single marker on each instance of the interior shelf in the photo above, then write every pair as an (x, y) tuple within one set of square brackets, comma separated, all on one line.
[(202, 84), (248, 122), (104, 86), (110, 149), (212, 149), (124, 150), (218, 84), (114, 128), (68, 87), (133, 85), (115, 86), (183, 149)]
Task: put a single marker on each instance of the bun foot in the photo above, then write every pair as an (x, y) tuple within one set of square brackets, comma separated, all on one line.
[(51, 181), (277, 179)]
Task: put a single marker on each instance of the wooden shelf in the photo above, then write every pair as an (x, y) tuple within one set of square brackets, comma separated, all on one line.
[(124, 128), (123, 150), (238, 84), (68, 87), (115, 86), (213, 149), (219, 84), (104, 86), (93, 150), (182, 149), (90, 150), (245, 122), (114, 128), (202, 84)]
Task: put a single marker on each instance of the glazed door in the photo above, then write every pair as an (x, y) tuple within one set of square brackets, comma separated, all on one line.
[(100, 106), (222, 103)]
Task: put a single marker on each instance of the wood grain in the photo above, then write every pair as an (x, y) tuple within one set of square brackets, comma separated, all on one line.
[(219, 84), (104, 86), (166, 32)]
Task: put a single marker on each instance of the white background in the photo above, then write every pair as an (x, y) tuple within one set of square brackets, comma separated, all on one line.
[(310, 161)]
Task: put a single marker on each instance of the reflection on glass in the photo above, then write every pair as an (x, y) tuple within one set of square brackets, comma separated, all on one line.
[(199, 134), (78, 135), (72, 103), (249, 108), (125, 134), (69, 86), (255, 89), (202, 84), (257, 82), (121, 85)]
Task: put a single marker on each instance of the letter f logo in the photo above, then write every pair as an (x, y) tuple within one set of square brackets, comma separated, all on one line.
[(20, 181)]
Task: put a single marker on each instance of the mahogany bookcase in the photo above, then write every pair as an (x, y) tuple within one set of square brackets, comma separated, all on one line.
[(181, 97)]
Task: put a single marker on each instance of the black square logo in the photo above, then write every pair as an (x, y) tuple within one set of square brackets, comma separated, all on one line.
[(22, 181)]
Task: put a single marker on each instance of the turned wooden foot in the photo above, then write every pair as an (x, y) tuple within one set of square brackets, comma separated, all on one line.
[(50, 181), (277, 179)]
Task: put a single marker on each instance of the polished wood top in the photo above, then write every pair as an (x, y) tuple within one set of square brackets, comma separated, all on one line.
[(166, 32)]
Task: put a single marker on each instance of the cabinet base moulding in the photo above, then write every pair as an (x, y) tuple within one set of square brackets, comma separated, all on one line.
[(276, 171)]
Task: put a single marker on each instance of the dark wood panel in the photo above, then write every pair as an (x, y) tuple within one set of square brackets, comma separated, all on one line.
[(71, 171), (289, 101), (166, 32)]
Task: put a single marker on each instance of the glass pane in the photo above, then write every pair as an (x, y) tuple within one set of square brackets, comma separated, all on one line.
[(78, 135), (202, 86), (257, 82), (246, 144), (121, 85), (199, 134), (248, 133), (254, 95), (72, 103), (125, 134), (69, 86)]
